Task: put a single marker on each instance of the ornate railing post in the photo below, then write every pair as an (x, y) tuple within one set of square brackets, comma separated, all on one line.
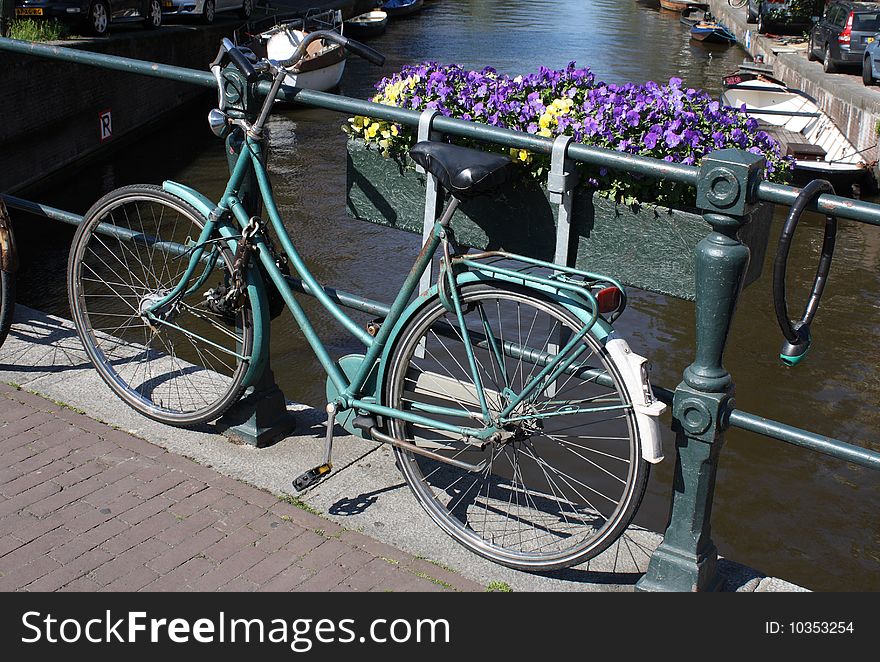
[(260, 418), (686, 559)]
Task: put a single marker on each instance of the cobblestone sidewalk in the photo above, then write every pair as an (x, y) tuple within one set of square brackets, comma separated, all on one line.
[(84, 507)]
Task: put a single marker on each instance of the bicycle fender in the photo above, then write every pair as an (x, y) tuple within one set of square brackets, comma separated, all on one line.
[(601, 328), (634, 370), (256, 289)]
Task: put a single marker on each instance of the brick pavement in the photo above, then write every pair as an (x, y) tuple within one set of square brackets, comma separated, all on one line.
[(85, 507)]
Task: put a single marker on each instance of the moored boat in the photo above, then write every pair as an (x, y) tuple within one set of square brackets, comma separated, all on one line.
[(712, 32), (692, 14), (324, 64), (679, 6), (370, 24), (400, 8), (804, 131)]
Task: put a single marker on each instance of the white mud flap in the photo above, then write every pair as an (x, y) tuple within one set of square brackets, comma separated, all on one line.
[(634, 370)]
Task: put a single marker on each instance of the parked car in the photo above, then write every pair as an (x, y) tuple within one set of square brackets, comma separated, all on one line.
[(842, 33), (95, 16), (791, 16), (871, 61), (207, 10)]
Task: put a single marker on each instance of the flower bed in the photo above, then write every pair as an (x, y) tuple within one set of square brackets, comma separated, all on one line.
[(668, 122), (624, 225)]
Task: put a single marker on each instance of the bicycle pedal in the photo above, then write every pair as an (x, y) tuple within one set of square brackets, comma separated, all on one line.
[(311, 477)]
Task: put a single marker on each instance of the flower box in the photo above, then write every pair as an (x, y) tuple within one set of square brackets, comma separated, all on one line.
[(649, 247)]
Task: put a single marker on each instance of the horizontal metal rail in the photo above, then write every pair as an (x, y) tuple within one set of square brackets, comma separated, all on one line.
[(855, 210), (340, 297), (739, 419)]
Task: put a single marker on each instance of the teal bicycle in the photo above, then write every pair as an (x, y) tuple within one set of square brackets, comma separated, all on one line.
[(522, 423)]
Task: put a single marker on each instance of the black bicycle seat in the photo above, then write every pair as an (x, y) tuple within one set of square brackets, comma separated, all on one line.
[(462, 171)]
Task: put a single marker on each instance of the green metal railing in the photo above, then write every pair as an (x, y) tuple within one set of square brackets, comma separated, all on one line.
[(728, 185)]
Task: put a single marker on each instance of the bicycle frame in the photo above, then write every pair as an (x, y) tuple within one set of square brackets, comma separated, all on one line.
[(351, 391)]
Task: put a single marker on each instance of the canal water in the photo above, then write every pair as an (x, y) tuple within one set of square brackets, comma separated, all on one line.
[(790, 513)]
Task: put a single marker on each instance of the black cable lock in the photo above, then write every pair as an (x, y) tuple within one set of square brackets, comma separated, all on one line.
[(797, 335)]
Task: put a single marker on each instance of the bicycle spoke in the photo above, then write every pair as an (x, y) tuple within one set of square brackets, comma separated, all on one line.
[(185, 366), (563, 452)]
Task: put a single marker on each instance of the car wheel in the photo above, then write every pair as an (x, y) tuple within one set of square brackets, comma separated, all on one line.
[(811, 51), (209, 13), (867, 72), (153, 19), (828, 65), (247, 8), (98, 19)]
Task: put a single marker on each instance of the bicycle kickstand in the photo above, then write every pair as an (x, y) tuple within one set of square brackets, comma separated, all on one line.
[(312, 476)]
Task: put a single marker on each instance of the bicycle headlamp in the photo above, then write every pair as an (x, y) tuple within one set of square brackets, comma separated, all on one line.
[(219, 123)]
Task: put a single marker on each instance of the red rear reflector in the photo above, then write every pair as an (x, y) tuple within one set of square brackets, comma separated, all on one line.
[(609, 299)]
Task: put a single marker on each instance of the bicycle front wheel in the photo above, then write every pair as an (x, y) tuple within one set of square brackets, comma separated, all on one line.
[(185, 363), (567, 476), (7, 303)]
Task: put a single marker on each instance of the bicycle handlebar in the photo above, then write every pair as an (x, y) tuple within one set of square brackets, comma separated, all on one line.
[(278, 69), (329, 35), (364, 51), (238, 59)]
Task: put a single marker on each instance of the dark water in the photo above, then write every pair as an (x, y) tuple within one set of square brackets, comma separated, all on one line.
[(786, 511)]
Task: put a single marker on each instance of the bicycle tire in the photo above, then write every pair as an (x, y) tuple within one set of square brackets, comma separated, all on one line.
[(185, 374), (554, 521), (7, 303)]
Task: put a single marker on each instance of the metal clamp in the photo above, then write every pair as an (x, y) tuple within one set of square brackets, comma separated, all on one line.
[(426, 131), (432, 197), (560, 184), (562, 178)]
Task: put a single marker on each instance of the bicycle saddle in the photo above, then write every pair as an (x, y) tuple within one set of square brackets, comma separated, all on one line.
[(462, 171)]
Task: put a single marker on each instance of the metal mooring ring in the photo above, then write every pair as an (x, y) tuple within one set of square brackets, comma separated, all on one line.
[(798, 335)]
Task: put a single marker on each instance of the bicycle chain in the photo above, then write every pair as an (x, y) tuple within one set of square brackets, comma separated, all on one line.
[(236, 294)]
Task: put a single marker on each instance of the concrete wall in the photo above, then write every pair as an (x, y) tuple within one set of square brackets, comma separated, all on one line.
[(51, 110), (853, 107)]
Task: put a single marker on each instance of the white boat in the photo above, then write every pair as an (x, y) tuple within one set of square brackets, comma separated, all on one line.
[(794, 119), (325, 61), (367, 25)]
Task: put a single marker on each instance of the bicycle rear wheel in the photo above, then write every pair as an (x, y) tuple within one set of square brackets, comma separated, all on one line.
[(7, 303), (189, 366), (560, 488)]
